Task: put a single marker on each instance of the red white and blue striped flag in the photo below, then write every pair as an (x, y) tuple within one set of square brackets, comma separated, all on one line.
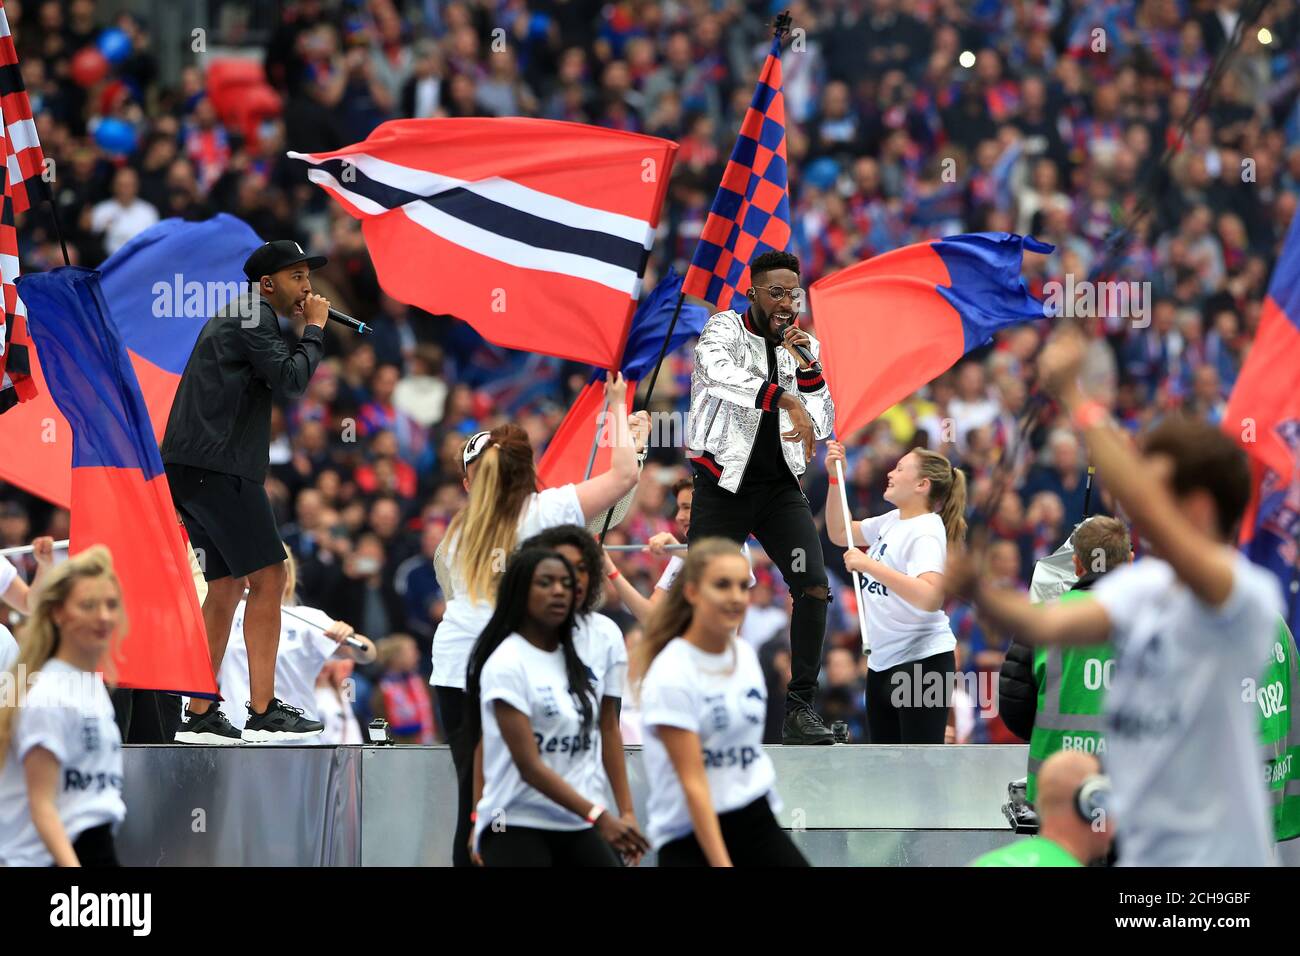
[(24, 162), (751, 212), (535, 232)]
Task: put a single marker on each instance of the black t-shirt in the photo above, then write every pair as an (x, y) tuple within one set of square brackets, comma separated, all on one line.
[(767, 461)]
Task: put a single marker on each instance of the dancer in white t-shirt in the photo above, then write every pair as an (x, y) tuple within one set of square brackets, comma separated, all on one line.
[(911, 667), (536, 706), (683, 492), (504, 508), (1189, 624), (599, 642), (61, 753), (704, 704)]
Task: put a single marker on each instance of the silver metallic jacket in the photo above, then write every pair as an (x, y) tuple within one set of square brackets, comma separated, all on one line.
[(730, 390)]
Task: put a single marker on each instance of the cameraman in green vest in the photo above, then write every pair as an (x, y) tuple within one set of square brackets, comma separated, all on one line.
[(1054, 697), (1074, 828)]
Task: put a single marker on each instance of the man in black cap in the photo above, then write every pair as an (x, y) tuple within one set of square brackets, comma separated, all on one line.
[(216, 452)]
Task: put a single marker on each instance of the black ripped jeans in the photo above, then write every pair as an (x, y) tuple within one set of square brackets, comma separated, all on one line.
[(778, 515)]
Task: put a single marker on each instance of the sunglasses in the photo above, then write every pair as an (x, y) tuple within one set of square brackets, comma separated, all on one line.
[(777, 293)]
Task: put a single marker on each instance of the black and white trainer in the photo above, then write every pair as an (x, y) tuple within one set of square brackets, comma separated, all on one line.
[(280, 722), (210, 728)]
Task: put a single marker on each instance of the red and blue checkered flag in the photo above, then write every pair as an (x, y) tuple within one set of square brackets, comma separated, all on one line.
[(751, 212)]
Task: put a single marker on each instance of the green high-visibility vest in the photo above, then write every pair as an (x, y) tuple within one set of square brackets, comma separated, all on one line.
[(1071, 686), (1072, 695), (1033, 851), (1279, 733)]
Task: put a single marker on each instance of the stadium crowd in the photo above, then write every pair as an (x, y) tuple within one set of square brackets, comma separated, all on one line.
[(1056, 130)]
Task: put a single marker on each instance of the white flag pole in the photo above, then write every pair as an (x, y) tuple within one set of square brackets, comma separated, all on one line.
[(27, 549), (857, 580)]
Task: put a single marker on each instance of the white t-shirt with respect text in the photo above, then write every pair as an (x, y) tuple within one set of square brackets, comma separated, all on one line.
[(900, 632), (723, 699)]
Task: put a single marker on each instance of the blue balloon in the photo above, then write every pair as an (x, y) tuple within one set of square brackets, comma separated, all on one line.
[(115, 136), (821, 173), (114, 44)]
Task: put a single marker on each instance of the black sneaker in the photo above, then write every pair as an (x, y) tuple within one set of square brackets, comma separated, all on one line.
[(208, 728), (804, 726), (280, 722)]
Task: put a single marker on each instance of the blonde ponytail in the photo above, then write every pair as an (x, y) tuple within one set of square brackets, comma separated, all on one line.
[(947, 491), (486, 531)]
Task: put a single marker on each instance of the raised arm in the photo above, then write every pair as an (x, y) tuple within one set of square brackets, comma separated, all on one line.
[(1200, 562), (598, 494), (1069, 624), (834, 509)]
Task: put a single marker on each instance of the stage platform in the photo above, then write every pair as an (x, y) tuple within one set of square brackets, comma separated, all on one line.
[(394, 806)]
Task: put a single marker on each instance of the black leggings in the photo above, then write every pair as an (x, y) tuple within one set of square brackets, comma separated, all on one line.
[(451, 705), (528, 846), (752, 836), (94, 847), (907, 706)]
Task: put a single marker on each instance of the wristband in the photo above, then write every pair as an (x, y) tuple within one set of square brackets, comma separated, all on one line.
[(1090, 414), (613, 574), (594, 813), (834, 480), (473, 816)]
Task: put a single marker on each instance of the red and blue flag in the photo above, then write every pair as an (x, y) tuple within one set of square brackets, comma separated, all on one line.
[(568, 455), (751, 211), (160, 287), (896, 321), (1263, 414), (120, 497)]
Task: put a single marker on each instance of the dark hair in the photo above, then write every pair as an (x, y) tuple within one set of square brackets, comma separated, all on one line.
[(773, 260), (1105, 535), (511, 611), (1206, 459), (680, 485), (592, 556)]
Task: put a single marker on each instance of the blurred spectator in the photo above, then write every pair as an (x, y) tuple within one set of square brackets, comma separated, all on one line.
[(124, 216), (402, 696)]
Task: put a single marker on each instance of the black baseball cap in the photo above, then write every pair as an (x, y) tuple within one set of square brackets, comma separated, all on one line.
[(271, 257)]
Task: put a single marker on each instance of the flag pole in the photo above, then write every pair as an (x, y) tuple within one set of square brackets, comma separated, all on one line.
[(654, 376), (857, 578), (595, 442), (58, 229)]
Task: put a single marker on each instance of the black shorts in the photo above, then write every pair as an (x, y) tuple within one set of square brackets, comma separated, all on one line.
[(229, 520)]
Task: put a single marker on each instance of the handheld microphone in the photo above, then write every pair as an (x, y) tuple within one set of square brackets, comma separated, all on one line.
[(804, 355), (356, 325)]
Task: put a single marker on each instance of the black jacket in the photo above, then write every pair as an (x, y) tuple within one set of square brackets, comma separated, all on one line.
[(1017, 692), (221, 418)]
